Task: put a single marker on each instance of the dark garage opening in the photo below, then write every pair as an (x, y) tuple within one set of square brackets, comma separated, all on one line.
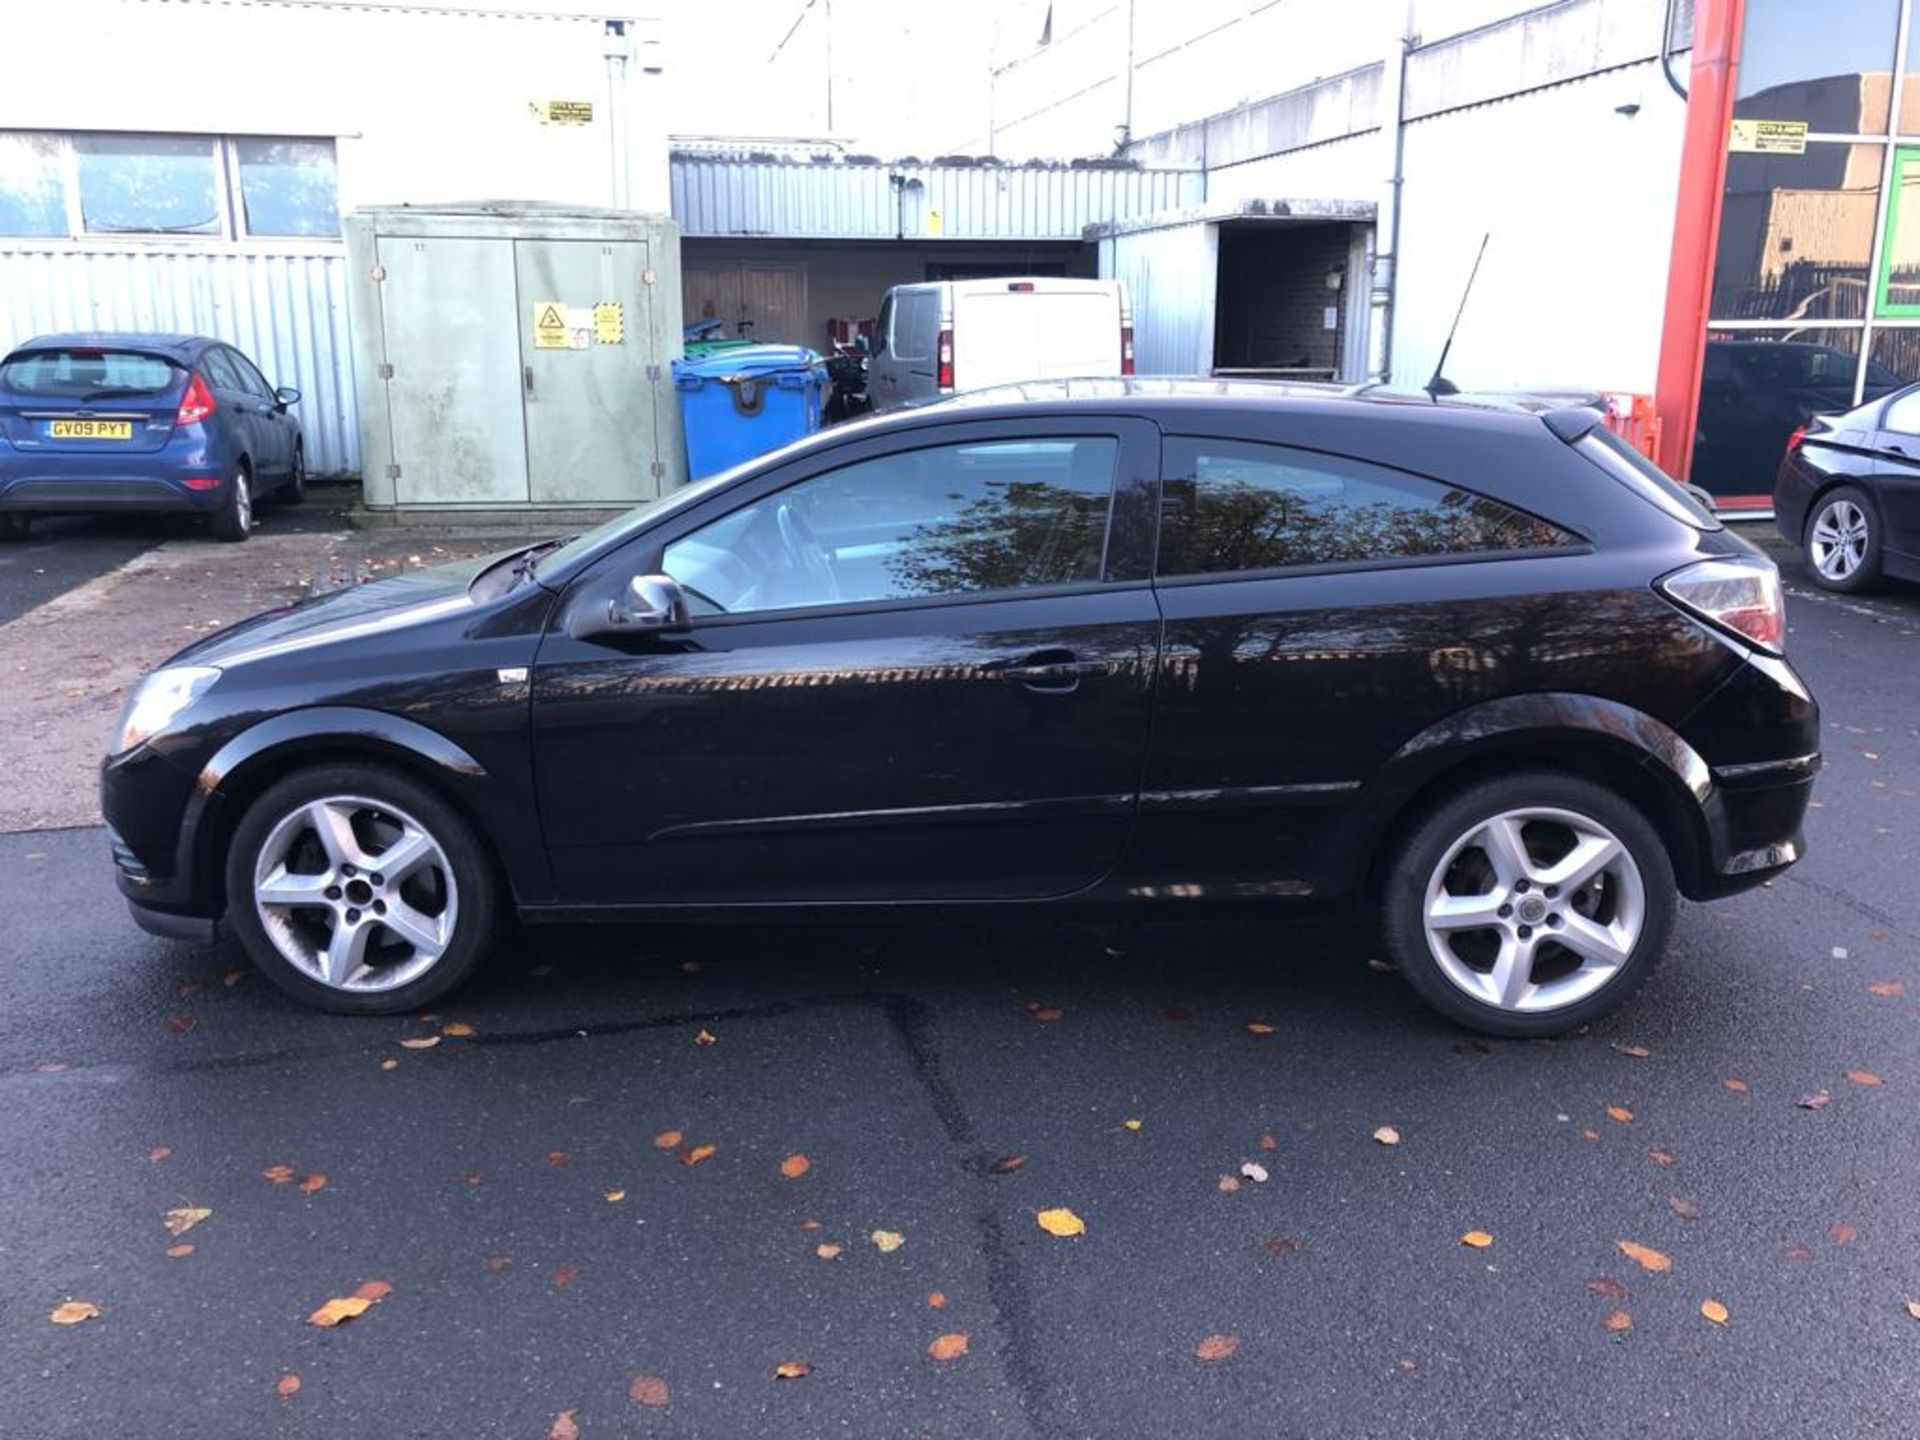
[(1280, 306)]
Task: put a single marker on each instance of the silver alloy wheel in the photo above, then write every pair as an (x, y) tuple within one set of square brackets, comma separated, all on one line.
[(1534, 909), (242, 501), (355, 894), (1837, 541)]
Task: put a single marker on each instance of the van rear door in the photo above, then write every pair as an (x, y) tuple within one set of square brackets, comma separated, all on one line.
[(1040, 329)]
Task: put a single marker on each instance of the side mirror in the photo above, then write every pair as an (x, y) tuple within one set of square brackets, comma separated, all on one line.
[(648, 604), (287, 395)]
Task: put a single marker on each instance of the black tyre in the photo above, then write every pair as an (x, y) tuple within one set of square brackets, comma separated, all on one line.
[(359, 890), (295, 489), (234, 519), (1842, 543), (1530, 905)]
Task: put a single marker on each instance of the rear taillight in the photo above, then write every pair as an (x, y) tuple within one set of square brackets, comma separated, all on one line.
[(1126, 349), (1793, 440), (945, 356), (1738, 595), (197, 404)]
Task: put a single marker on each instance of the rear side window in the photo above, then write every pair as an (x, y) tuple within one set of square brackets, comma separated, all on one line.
[(914, 316), (1644, 478), (80, 374), (1231, 505), (1903, 414)]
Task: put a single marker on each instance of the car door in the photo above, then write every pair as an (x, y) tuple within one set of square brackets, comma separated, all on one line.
[(276, 425), (1312, 629), (237, 411), (1896, 474), (919, 667)]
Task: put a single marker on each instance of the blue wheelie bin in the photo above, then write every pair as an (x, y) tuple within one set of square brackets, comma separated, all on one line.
[(746, 400)]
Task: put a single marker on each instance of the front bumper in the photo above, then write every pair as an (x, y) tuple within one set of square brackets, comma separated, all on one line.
[(146, 800)]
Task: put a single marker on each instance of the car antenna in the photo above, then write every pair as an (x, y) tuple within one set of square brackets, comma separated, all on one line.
[(1439, 385)]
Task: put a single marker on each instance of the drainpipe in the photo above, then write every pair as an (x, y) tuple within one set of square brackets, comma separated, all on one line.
[(1386, 263), (617, 52)]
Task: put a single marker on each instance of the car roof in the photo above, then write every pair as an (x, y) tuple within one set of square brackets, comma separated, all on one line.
[(182, 346)]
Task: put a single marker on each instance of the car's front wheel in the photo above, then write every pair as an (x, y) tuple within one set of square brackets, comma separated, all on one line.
[(1530, 905), (1843, 541), (359, 890)]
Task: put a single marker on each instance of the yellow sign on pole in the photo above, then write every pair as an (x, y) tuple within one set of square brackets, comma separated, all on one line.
[(563, 112), (1769, 137), (550, 326)]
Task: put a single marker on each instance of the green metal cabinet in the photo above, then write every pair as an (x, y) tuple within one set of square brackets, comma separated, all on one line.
[(513, 357)]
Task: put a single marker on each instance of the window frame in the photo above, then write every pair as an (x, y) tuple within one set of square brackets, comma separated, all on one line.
[(1883, 308), (1577, 544), (1129, 537)]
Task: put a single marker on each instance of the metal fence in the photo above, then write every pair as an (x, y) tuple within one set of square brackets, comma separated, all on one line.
[(288, 311)]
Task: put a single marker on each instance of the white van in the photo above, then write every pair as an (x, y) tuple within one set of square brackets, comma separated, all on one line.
[(946, 335)]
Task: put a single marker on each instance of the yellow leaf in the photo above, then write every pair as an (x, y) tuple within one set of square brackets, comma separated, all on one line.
[(1062, 1222), (1913, 1308), (614, 1197), (74, 1311), (792, 1370), (1217, 1347), (1649, 1259), (338, 1310), (1478, 1239), (887, 1241), (459, 1029), (794, 1166), (1131, 1124), (389, 1064), (1620, 1113), (178, 1222), (421, 1042), (1714, 1311), (1387, 1135), (949, 1347)]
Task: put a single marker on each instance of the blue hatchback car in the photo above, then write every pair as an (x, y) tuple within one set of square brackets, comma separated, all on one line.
[(117, 422)]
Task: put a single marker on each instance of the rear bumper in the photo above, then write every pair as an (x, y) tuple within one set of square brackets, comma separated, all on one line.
[(1754, 816), (59, 495)]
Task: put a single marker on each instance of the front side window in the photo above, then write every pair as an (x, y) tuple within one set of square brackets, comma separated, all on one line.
[(33, 197), (947, 520), (1233, 505), (913, 323), (148, 185), (219, 370), (251, 380)]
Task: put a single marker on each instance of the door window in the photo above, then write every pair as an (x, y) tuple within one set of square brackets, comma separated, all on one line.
[(1235, 506), (219, 370), (948, 520), (251, 380), (914, 315)]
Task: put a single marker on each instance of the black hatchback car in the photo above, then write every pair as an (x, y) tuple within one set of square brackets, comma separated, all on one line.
[(1087, 645), (1848, 494)]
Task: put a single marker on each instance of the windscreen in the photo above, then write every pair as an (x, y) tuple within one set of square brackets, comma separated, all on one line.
[(86, 373)]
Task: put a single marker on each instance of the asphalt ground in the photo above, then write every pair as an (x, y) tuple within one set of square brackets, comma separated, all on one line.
[(477, 1177)]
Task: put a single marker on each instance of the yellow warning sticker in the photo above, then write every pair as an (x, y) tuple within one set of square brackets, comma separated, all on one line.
[(609, 323), (1769, 137), (550, 326)]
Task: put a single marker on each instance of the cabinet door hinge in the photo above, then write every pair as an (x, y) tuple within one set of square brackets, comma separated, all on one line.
[(393, 472), (385, 371)]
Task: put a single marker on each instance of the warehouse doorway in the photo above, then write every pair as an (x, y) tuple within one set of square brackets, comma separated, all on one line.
[(1280, 301)]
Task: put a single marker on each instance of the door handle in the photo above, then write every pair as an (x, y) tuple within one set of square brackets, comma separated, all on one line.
[(1049, 671), (526, 374)]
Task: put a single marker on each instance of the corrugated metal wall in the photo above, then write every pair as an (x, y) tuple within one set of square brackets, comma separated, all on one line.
[(287, 311), (1170, 275), (718, 195)]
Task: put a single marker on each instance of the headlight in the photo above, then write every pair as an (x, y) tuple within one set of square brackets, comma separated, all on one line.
[(157, 700)]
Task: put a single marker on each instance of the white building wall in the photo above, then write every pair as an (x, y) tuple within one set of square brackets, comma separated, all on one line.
[(1353, 168)]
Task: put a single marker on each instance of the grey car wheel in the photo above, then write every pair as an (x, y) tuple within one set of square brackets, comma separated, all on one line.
[(1843, 541)]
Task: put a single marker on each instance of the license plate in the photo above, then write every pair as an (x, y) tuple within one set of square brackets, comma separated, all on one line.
[(90, 429)]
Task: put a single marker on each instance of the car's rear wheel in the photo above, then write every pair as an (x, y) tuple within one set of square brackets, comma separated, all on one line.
[(234, 519), (14, 527), (1530, 905), (1843, 541), (359, 890)]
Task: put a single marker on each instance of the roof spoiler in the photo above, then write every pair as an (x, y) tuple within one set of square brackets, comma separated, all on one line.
[(1572, 422)]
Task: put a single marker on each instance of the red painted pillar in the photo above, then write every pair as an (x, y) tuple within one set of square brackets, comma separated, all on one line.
[(1696, 227)]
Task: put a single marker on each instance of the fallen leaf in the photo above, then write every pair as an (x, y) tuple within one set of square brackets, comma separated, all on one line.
[(949, 1347), (667, 1140), (887, 1241), (339, 1310), (1387, 1135), (826, 1251), (1267, 1142), (1619, 1321), (706, 1037), (1051, 1012), (421, 1042), (1660, 1157), (1589, 1134), (498, 1263), (696, 1154), (1607, 1286), (1842, 1233), (1259, 1027), (794, 1166), (614, 1197), (233, 978), (692, 967), (159, 1153), (564, 1275), (1738, 1087), (389, 1064), (1647, 1258), (1217, 1347), (1636, 1052), (1818, 1100), (563, 1427), (286, 1385), (1375, 963), (1913, 1308), (1796, 1252), (1228, 1184), (1006, 1164), (178, 1222), (937, 1299), (1620, 1113), (73, 1312), (1684, 1208), (1062, 1222), (1714, 1311), (1887, 989), (1131, 1124), (1864, 1077), (792, 1370), (809, 1225), (313, 1182), (1280, 1246), (473, 1177), (181, 1024), (458, 1029), (556, 1157), (648, 1390), (278, 1174)]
